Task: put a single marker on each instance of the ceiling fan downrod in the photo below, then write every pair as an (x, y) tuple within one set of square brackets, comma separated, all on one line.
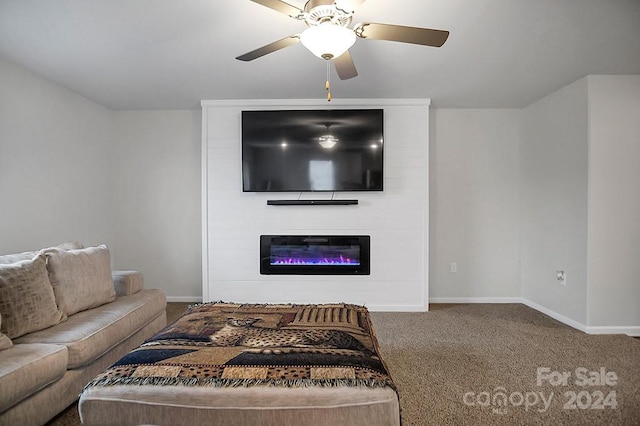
[(327, 85)]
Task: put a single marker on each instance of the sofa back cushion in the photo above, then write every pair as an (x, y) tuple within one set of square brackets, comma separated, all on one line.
[(27, 301), (17, 257), (28, 255), (81, 279)]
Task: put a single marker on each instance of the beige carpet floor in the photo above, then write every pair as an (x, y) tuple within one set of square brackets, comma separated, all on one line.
[(504, 364)]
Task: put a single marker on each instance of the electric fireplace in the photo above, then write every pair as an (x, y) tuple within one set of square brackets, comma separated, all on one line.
[(314, 254)]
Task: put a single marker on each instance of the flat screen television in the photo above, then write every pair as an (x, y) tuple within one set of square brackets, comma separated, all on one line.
[(312, 150)]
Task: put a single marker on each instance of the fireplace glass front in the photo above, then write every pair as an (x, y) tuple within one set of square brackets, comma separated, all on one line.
[(314, 254)]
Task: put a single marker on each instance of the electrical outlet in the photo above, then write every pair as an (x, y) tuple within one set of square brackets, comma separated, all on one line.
[(453, 267), (561, 276)]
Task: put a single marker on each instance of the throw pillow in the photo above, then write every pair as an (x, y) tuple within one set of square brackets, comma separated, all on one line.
[(27, 302), (81, 279), (5, 342)]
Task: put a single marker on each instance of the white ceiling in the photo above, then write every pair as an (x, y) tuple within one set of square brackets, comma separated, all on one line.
[(170, 54)]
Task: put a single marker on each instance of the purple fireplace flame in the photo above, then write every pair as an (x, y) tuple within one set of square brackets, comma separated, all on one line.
[(315, 255), (340, 260)]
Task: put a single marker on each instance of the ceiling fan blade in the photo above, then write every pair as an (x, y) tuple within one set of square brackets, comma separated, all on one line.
[(345, 67), (348, 6), (270, 48), (280, 6), (415, 35)]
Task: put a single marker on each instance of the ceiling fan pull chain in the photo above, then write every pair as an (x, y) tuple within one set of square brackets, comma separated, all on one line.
[(327, 85)]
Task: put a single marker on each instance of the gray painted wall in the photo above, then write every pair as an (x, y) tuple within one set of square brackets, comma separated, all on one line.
[(71, 169), (155, 186), (553, 158), (614, 201), (580, 157), (55, 162), (474, 206)]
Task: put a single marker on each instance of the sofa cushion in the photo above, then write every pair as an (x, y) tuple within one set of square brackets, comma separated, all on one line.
[(5, 342), (91, 333), (24, 369), (81, 279), (28, 255), (27, 302)]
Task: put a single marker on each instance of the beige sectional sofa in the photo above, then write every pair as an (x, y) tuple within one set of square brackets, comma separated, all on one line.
[(65, 316)]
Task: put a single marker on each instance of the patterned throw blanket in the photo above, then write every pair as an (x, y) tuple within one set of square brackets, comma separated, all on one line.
[(225, 344)]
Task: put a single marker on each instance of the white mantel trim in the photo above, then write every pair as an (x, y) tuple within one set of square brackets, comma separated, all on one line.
[(313, 102)]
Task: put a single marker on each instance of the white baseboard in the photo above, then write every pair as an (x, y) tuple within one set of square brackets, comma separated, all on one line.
[(629, 330), (566, 320), (475, 300), (184, 299), (396, 308)]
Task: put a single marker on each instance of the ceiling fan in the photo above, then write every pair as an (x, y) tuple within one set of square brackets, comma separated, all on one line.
[(329, 36)]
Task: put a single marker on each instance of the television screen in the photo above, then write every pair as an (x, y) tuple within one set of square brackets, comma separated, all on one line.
[(312, 150)]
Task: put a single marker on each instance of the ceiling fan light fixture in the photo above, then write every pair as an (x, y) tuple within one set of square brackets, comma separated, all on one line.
[(327, 141), (328, 40)]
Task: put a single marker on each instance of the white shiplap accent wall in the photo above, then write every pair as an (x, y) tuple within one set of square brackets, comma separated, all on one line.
[(396, 219)]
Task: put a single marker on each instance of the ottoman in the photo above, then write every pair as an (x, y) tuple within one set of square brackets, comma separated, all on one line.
[(246, 364)]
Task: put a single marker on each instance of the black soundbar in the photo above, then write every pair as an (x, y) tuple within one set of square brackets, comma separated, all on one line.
[(311, 202)]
